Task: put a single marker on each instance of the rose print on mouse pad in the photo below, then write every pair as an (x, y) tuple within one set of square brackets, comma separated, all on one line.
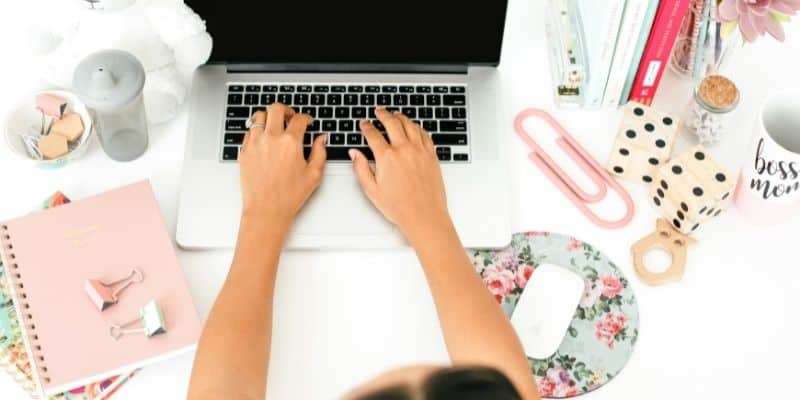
[(604, 329)]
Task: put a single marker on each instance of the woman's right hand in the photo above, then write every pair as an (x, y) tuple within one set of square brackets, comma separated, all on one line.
[(407, 185)]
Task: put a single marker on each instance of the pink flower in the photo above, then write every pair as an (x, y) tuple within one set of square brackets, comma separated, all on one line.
[(574, 245), (499, 281), (610, 286), (757, 17), (506, 258), (546, 387), (609, 327), (564, 390), (524, 273)]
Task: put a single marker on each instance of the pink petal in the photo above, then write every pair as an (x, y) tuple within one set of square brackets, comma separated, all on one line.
[(759, 23), (728, 12), (791, 3), (783, 8), (742, 7), (761, 7), (775, 29), (748, 29)]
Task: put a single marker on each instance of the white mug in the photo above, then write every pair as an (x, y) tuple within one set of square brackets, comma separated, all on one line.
[(769, 185)]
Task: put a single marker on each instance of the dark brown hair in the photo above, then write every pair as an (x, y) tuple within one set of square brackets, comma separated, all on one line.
[(473, 383)]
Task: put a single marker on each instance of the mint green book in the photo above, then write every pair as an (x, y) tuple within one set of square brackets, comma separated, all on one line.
[(649, 16)]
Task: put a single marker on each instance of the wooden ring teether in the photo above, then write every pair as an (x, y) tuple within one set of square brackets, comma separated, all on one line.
[(672, 241)]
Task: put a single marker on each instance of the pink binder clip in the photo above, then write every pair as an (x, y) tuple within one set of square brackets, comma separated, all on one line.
[(596, 173)]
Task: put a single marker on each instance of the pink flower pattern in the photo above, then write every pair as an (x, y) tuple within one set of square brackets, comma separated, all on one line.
[(758, 17), (609, 327)]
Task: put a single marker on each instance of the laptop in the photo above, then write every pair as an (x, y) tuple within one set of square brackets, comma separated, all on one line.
[(433, 60)]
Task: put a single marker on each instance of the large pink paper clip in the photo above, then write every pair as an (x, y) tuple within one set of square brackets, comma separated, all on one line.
[(567, 186)]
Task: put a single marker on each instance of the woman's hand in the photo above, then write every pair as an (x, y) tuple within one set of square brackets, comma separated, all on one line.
[(276, 180), (407, 186)]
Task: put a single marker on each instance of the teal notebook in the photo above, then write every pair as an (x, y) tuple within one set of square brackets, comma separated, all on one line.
[(649, 16), (601, 21)]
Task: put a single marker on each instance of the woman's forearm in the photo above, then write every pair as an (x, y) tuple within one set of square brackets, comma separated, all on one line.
[(233, 352), (476, 331)]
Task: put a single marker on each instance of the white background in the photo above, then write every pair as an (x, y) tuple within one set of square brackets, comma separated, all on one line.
[(728, 330)]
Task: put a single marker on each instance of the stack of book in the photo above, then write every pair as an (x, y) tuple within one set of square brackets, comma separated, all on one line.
[(607, 52)]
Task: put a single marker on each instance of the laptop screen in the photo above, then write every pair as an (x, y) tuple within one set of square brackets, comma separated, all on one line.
[(355, 31)]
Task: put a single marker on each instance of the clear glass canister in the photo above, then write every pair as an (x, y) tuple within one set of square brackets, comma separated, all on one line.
[(110, 82), (714, 99)]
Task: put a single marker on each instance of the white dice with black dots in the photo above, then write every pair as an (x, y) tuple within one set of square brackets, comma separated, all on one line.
[(644, 142), (691, 189)]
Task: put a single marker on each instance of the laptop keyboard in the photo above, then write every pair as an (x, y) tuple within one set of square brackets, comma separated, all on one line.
[(337, 109)]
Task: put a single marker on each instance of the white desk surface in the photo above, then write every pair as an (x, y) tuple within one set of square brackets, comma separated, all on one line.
[(728, 330)]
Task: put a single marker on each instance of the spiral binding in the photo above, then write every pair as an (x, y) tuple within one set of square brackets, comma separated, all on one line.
[(23, 308)]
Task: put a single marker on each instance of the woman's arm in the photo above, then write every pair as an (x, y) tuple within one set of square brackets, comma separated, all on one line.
[(233, 352), (408, 189)]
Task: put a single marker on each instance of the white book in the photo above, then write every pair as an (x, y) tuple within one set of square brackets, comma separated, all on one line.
[(600, 20), (632, 23)]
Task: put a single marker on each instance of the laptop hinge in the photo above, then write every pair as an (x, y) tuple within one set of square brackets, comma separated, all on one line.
[(350, 68)]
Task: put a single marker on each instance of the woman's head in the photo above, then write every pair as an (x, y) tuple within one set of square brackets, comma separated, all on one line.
[(437, 383)]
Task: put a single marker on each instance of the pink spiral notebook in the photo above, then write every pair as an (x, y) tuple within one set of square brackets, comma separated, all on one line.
[(49, 256)]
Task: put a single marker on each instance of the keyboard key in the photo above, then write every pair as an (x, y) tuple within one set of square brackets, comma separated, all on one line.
[(296, 109), (238, 112), (253, 88), (230, 153), (251, 99), (454, 100), (353, 139), (235, 125), (371, 113), (235, 99), (460, 157), (304, 88), (310, 111), (384, 100), (338, 89), (326, 112), (235, 88), (359, 112), (426, 112), (314, 127), (417, 100), (440, 89), (372, 89), (389, 89), (285, 98), (307, 139), (367, 99), (392, 109), (300, 99), (336, 139), (317, 99), (442, 113), (351, 99), (379, 125), (457, 89), (406, 89), (267, 99), (341, 153), (346, 125), (234, 138), (460, 113), (329, 125), (322, 88), (270, 88), (433, 100), (342, 112), (355, 89), (449, 139), (423, 89), (453, 126), (334, 99), (287, 88), (443, 153), (430, 126), (400, 100), (409, 112), (257, 109)]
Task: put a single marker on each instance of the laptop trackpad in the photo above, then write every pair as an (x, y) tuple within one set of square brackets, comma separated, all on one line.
[(340, 207)]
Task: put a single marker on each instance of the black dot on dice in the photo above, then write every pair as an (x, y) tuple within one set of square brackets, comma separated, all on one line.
[(717, 213), (647, 179), (702, 210), (649, 127), (677, 170), (720, 177), (726, 196), (664, 184), (638, 111), (694, 228), (630, 133), (660, 143), (711, 211), (667, 121), (684, 207), (660, 193), (697, 191), (624, 152), (700, 155), (680, 215), (653, 161), (618, 169), (676, 223), (657, 201)]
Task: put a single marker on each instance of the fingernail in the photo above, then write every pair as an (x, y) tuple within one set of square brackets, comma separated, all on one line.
[(362, 122), (380, 108), (396, 113), (352, 154)]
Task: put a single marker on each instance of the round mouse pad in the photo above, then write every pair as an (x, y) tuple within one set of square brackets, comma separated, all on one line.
[(603, 332)]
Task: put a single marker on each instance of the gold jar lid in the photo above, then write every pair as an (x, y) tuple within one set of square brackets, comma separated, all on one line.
[(717, 94)]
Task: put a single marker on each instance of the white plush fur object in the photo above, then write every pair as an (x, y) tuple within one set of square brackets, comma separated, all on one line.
[(167, 37)]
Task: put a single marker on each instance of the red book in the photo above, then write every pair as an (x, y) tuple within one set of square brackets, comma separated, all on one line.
[(666, 25)]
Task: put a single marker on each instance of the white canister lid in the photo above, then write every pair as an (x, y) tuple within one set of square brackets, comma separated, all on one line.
[(108, 80)]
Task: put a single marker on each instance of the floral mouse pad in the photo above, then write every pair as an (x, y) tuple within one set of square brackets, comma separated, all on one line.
[(603, 332)]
